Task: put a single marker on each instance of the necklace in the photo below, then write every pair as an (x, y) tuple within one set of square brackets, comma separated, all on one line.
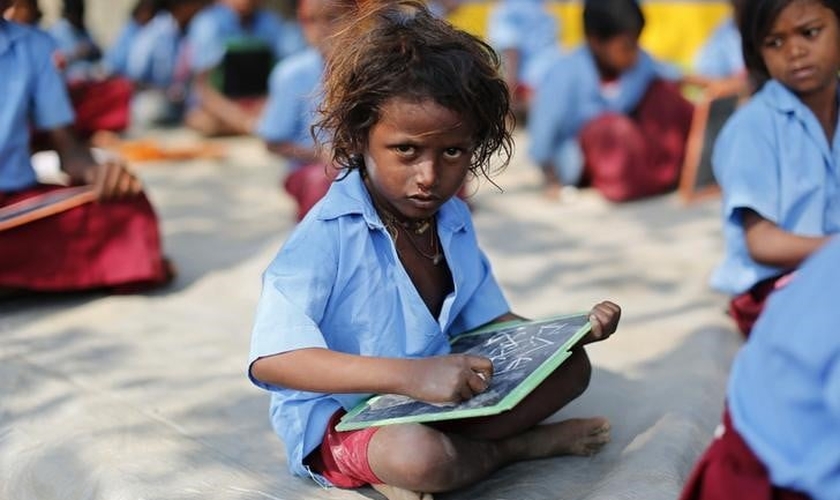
[(418, 227)]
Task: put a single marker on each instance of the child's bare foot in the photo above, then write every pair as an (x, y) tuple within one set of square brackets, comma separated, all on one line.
[(394, 493), (576, 436)]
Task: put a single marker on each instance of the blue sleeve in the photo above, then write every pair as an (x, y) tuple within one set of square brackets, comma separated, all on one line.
[(746, 165), (51, 107), (296, 288), (282, 114), (550, 108), (209, 45), (709, 61), (64, 37), (116, 58)]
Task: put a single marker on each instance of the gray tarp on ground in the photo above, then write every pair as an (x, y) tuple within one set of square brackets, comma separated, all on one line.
[(145, 397)]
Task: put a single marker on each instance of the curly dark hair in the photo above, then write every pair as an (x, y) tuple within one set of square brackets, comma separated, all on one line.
[(397, 49)]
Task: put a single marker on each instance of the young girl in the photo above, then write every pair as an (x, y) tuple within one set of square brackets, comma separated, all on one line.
[(778, 158), (366, 293)]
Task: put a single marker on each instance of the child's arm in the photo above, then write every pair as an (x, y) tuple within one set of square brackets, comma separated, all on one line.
[(112, 179), (223, 108), (439, 379), (770, 245), (297, 152)]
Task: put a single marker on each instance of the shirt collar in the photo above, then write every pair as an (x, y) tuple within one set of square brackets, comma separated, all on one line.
[(349, 196), (9, 33)]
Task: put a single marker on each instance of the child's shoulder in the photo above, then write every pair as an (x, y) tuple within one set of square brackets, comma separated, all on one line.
[(761, 112), (31, 36), (308, 61)]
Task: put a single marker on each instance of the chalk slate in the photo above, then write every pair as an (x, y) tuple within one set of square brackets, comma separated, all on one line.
[(44, 205), (709, 118), (523, 353)]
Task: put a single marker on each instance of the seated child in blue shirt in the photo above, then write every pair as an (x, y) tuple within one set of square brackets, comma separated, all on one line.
[(526, 35), (158, 65), (216, 107), (366, 293), (604, 114), (721, 58), (294, 96), (780, 435), (77, 47), (777, 159), (116, 56), (114, 245)]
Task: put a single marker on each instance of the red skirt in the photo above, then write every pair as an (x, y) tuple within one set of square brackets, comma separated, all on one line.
[(630, 157), (96, 245), (746, 308), (730, 470)]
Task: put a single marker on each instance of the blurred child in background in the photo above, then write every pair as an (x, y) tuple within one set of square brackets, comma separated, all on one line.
[(158, 64), (526, 35), (721, 58), (113, 243), (75, 43), (116, 56), (294, 96), (608, 113), (236, 43)]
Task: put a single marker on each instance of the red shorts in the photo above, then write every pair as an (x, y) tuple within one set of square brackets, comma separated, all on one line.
[(729, 469), (342, 457), (747, 307)]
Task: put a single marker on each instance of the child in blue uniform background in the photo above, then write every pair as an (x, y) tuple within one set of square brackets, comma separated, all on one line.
[(606, 113), (526, 35), (113, 245), (210, 34), (367, 291), (291, 110), (777, 159)]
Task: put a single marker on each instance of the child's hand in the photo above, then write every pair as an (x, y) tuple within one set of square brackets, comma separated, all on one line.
[(113, 180), (448, 379), (604, 320)]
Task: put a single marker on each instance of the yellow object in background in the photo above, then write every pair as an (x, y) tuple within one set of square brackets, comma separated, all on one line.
[(674, 30)]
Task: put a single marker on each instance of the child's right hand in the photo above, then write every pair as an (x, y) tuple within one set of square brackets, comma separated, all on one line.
[(448, 379)]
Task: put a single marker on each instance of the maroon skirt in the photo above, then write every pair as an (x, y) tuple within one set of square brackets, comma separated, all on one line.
[(630, 157), (96, 245), (730, 470)]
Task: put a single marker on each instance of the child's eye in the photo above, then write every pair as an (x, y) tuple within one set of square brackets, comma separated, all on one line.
[(404, 149), (773, 43), (812, 32), (453, 153)]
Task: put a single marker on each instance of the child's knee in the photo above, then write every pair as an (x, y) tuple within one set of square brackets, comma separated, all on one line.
[(579, 371), (417, 457)]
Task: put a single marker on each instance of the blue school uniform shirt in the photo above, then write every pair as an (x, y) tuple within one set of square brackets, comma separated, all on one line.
[(33, 93), (294, 96), (784, 388), (116, 57), (572, 93), (69, 38), (338, 283), (528, 27), (721, 56), (216, 25), (773, 157), (154, 54)]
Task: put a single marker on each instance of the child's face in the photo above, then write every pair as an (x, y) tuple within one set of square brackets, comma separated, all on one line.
[(616, 54), (802, 49), (417, 157), (318, 19)]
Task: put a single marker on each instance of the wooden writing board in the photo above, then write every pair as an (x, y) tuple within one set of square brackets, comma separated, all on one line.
[(44, 205), (523, 353), (698, 179)]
